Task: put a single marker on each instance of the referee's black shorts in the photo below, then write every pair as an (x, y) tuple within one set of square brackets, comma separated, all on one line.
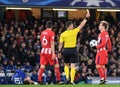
[(70, 55)]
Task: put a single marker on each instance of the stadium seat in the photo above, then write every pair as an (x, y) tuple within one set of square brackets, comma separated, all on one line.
[(8, 76), (3, 79)]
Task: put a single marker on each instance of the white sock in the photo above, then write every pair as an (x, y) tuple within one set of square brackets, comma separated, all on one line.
[(35, 83)]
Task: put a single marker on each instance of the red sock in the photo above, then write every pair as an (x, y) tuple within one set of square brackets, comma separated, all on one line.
[(41, 70), (105, 72), (57, 72), (101, 72)]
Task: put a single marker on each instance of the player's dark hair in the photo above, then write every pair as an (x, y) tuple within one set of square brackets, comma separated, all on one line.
[(68, 23), (26, 82), (49, 24), (105, 24)]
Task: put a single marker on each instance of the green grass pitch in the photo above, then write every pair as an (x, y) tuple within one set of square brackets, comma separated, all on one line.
[(77, 85)]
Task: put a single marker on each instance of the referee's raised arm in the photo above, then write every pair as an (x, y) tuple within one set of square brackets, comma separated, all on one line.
[(85, 20)]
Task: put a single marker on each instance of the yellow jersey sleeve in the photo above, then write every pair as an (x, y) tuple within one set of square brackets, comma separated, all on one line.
[(76, 30)]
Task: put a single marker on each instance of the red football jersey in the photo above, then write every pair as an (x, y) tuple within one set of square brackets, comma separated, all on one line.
[(104, 41), (46, 37)]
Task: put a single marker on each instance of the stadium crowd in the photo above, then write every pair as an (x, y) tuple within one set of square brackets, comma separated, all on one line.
[(20, 46)]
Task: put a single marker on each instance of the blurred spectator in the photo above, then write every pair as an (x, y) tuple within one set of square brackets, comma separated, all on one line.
[(1, 69), (5, 64), (11, 67), (49, 78), (34, 76), (2, 57), (28, 67)]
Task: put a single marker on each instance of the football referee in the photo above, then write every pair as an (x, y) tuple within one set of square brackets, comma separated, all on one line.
[(68, 42)]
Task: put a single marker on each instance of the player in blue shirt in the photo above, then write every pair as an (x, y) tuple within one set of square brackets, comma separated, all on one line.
[(20, 77)]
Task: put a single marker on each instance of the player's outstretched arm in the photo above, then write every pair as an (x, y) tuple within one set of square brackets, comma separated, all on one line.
[(85, 20)]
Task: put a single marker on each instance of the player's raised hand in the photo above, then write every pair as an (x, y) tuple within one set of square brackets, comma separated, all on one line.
[(88, 13)]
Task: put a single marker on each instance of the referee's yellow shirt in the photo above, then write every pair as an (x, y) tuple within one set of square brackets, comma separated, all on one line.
[(69, 37)]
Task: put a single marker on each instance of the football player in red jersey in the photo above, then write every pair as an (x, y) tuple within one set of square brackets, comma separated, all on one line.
[(47, 55), (103, 47)]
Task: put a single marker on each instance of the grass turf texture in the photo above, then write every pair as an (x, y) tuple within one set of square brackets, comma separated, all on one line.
[(77, 85)]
